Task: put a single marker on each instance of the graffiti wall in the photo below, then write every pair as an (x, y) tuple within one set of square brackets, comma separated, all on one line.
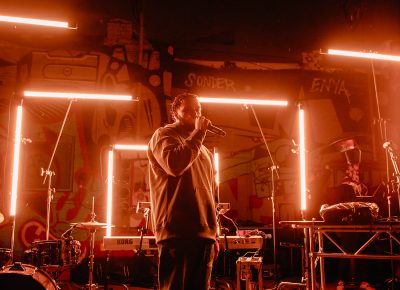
[(336, 106), (79, 165)]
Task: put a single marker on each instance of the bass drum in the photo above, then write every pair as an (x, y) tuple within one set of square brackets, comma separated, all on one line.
[(24, 276)]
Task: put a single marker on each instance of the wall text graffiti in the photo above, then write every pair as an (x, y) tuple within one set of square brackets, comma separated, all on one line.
[(329, 85), (209, 82)]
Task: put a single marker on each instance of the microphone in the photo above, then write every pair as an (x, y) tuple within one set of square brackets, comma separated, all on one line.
[(26, 140), (295, 148), (388, 146), (216, 130)]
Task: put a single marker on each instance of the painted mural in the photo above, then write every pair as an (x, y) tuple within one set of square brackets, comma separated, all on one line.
[(335, 102)]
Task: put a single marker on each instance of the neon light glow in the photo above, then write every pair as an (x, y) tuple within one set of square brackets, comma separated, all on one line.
[(109, 191), (367, 55), (110, 175), (302, 151), (130, 147), (243, 101), (17, 147), (33, 21), (216, 165), (59, 95)]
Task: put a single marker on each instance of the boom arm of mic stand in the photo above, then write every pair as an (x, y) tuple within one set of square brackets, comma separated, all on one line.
[(49, 173), (58, 138), (273, 167)]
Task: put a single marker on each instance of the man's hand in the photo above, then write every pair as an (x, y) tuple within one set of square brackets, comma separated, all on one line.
[(202, 123), (216, 250)]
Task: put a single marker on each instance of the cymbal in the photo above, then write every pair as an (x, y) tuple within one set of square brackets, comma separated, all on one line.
[(89, 225), (344, 143)]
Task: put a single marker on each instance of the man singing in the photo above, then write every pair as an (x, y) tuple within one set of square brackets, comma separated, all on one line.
[(182, 200)]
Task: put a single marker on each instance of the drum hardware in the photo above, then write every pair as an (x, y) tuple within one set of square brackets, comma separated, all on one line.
[(91, 226)]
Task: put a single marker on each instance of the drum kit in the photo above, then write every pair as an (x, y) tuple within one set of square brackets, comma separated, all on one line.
[(48, 259)]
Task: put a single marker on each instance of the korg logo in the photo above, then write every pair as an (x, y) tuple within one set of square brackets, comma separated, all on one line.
[(124, 241)]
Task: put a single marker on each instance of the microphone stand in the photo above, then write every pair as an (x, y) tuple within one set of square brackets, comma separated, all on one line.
[(144, 230), (388, 151), (274, 171), (50, 192), (383, 135), (49, 173), (396, 173)]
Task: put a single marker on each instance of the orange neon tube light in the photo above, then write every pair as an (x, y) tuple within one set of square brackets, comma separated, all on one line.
[(109, 191), (367, 55), (17, 147), (242, 101), (216, 165), (130, 147), (110, 177), (69, 95), (302, 151), (35, 21)]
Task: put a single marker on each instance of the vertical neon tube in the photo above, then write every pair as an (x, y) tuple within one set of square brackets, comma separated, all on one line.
[(109, 191), (302, 151), (216, 165), (17, 147)]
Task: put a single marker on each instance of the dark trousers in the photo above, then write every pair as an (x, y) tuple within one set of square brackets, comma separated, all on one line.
[(185, 264)]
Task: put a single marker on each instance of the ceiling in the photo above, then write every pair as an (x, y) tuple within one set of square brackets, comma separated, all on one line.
[(252, 30)]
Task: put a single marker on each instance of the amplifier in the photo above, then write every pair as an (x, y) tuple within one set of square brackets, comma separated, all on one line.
[(241, 242)]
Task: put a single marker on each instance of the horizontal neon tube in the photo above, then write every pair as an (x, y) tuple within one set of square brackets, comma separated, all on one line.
[(368, 55), (243, 101), (130, 147), (77, 96), (33, 21)]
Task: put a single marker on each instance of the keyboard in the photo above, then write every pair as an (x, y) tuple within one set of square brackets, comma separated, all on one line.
[(131, 243)]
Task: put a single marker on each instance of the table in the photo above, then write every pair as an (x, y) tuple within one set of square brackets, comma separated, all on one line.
[(316, 231)]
